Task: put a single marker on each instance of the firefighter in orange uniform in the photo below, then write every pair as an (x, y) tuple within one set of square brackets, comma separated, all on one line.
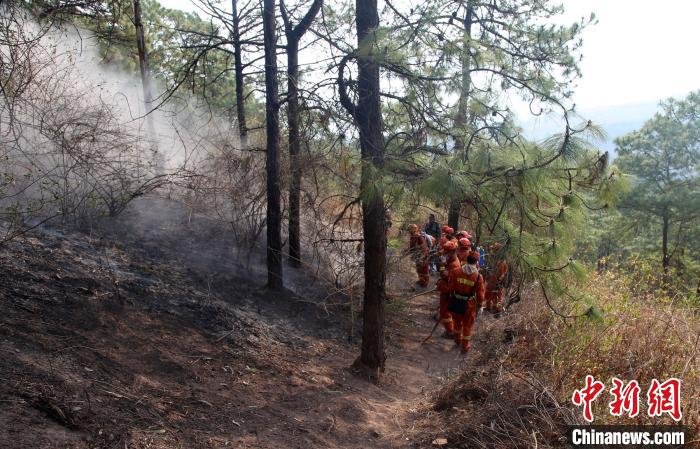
[(445, 236), (466, 287), (495, 280), (452, 236), (463, 249), (418, 249), (451, 261), (463, 235)]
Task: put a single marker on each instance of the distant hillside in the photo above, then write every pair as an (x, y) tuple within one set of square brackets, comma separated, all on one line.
[(615, 120)]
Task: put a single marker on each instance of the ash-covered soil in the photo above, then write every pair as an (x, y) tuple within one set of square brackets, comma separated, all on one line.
[(155, 334)]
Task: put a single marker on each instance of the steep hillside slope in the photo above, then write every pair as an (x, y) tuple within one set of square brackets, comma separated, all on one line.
[(138, 339)]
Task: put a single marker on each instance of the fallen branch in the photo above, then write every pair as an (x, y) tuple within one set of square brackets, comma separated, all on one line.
[(225, 335)]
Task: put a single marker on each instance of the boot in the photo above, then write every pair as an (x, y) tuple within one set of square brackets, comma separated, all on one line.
[(466, 346)]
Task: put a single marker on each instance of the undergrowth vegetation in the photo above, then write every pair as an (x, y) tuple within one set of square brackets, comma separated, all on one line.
[(642, 334), (517, 392)]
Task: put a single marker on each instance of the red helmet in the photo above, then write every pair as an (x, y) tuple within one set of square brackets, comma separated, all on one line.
[(449, 246), (450, 230), (446, 229), (464, 234), (464, 243), (475, 255)]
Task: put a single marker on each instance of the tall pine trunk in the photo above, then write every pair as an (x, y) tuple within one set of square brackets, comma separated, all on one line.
[(453, 214), (369, 121), (666, 259), (238, 75), (462, 109), (294, 35), (294, 150), (146, 81), (274, 214), (143, 56)]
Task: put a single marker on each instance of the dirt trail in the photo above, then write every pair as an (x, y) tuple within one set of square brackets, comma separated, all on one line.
[(368, 415), (108, 345)]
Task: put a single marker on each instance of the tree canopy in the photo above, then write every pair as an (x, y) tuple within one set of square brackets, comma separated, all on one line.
[(663, 158)]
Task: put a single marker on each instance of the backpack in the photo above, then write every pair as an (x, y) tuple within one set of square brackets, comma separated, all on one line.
[(459, 306), (429, 240)]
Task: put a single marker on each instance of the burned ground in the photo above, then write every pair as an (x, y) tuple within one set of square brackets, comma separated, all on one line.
[(135, 338)]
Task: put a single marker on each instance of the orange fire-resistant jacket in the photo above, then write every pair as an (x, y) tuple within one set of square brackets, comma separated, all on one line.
[(445, 268), (463, 284), (495, 278), (418, 247)]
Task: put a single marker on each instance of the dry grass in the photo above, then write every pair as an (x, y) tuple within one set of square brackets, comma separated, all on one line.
[(517, 391), (640, 337)]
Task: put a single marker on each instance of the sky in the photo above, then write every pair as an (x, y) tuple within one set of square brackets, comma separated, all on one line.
[(640, 51)]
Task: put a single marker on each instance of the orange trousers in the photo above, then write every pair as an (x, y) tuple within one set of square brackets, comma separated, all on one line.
[(423, 270), (445, 315), (494, 300), (463, 325)]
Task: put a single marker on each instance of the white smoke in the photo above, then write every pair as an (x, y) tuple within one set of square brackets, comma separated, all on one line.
[(184, 129), (74, 136)]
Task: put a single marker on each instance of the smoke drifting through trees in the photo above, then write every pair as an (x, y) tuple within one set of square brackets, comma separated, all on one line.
[(410, 114), (73, 140), (79, 148)]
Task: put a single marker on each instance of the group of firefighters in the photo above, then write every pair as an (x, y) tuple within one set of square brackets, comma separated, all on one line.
[(464, 290)]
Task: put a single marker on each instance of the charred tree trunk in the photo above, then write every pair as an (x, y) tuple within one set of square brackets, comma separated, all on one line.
[(238, 74), (453, 214), (462, 110), (294, 35), (143, 56), (274, 214), (294, 150), (146, 84), (146, 81), (367, 115)]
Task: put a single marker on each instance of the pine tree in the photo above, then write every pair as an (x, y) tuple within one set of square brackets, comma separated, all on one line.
[(294, 33), (663, 158), (368, 118), (274, 213)]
